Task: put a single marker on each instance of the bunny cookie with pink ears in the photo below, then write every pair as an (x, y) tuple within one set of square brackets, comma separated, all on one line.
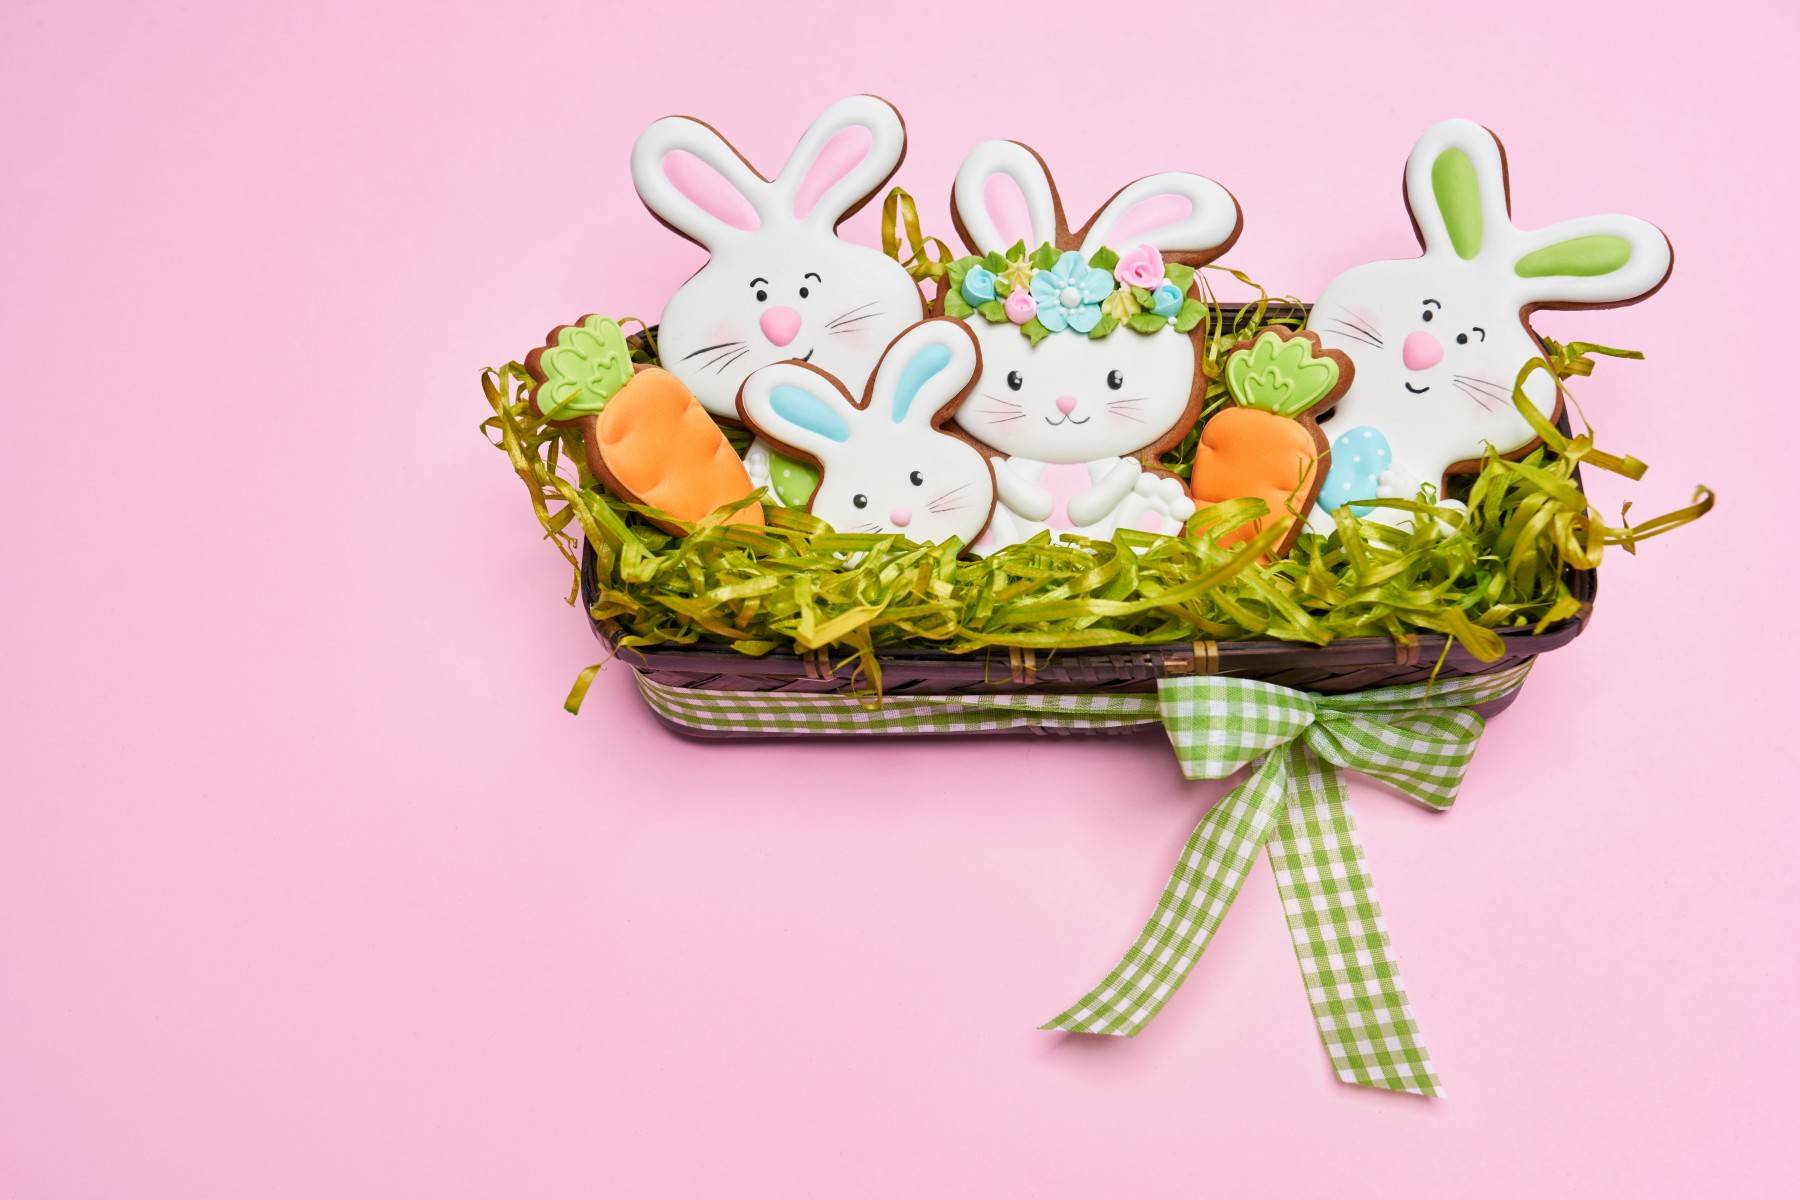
[(1438, 341), (780, 283), (1090, 355)]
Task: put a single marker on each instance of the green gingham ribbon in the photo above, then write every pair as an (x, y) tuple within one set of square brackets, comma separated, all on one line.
[(1417, 737)]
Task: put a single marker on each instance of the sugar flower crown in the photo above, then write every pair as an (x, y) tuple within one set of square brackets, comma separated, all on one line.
[(1063, 291)]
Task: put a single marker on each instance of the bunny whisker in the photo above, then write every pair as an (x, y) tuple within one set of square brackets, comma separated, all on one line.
[(731, 349), (849, 320), (852, 311), (1487, 402), (1356, 335), (1000, 400), (722, 366), (709, 349), (1360, 324), (1001, 417), (1486, 385)]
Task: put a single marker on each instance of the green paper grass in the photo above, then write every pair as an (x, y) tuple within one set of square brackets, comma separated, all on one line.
[(796, 585)]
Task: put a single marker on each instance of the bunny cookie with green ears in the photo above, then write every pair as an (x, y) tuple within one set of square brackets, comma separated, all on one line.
[(1438, 341)]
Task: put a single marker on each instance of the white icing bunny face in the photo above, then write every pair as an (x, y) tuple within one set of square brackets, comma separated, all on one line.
[(1071, 398), (887, 466), (1439, 340), (780, 284)]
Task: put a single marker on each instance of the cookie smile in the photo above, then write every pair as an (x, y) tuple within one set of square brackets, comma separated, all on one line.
[(1068, 421), (1418, 391)]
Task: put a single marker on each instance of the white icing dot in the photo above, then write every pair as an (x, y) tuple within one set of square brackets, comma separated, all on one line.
[(1070, 297)]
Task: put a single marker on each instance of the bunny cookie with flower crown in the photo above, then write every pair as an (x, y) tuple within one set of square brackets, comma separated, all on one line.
[(888, 465), (780, 283), (1438, 341), (1090, 341)]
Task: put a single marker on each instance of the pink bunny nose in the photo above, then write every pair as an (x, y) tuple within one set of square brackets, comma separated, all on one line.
[(1420, 351), (1065, 404), (900, 516), (780, 325)]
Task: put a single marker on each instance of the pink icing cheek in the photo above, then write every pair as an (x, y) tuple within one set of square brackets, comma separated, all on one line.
[(1421, 351)]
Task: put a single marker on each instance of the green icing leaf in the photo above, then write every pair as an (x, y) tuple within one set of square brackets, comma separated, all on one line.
[(1180, 275), (993, 310), (1045, 256), (1103, 259), (1280, 375), (994, 261), (1034, 330), (1016, 251), (1142, 296), (582, 369), (1192, 313), (955, 305), (1105, 326), (794, 481), (1146, 322)]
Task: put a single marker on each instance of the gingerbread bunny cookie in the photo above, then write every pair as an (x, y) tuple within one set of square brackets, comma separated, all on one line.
[(888, 464), (1090, 340), (1439, 340), (780, 282)]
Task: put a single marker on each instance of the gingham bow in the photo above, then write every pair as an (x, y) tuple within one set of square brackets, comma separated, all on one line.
[(1419, 738)]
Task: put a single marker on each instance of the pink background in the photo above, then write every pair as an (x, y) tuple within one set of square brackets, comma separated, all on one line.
[(309, 888)]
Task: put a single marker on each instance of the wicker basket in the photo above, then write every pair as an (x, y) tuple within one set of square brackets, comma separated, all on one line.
[(1345, 666)]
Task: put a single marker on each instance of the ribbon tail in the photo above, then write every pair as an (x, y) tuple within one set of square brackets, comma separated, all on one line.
[(1206, 880), (1346, 958)]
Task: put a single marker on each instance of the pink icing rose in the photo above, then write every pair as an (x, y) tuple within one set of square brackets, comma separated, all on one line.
[(1020, 307), (1142, 267)]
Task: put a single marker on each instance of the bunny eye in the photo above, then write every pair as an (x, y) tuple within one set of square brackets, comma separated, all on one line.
[(1115, 380), (1428, 313), (860, 500), (806, 291), (762, 287), (1014, 380), (918, 480)]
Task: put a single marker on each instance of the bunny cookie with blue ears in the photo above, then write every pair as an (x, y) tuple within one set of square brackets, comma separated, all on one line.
[(1438, 341), (1089, 340), (779, 283), (888, 465)]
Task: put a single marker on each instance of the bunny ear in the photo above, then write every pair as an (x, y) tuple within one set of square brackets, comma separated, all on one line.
[(1184, 216), (1003, 195), (1591, 261), (695, 183), (852, 149), (924, 373), (1456, 189), (797, 407)]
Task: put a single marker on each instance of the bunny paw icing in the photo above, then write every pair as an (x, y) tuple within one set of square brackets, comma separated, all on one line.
[(1089, 339), (887, 465), (779, 282), (1438, 341)]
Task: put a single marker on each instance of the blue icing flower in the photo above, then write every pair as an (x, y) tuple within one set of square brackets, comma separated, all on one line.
[(1166, 300), (1358, 459), (978, 286), (1068, 295)]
